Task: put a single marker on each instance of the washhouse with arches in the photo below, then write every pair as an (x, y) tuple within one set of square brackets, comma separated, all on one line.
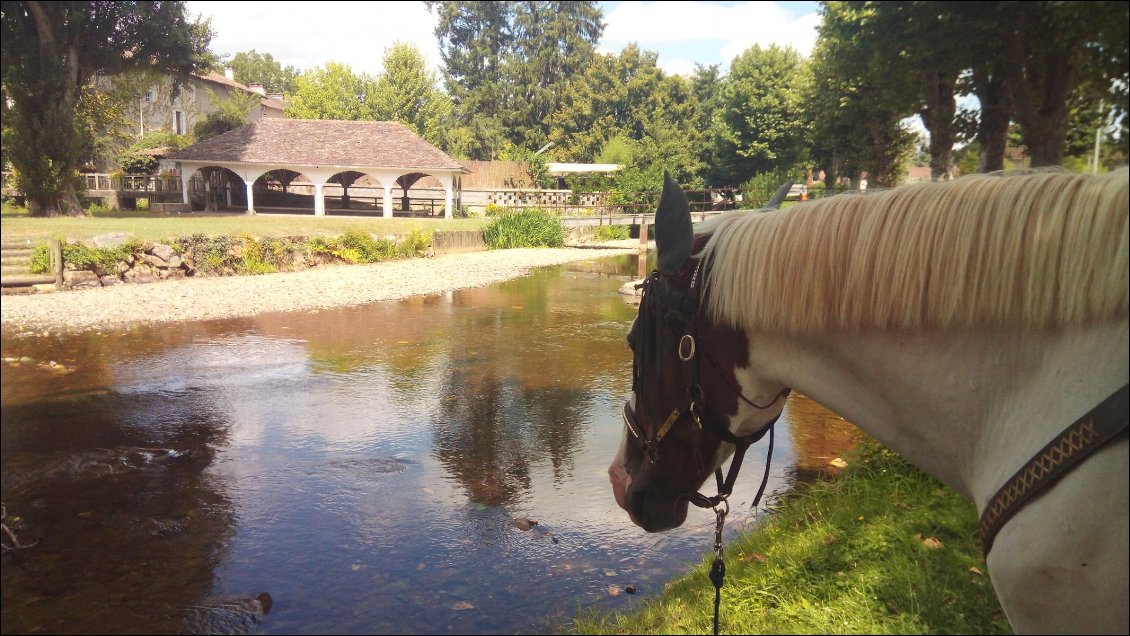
[(274, 163)]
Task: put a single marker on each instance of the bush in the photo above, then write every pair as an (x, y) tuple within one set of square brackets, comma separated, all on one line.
[(612, 233), (415, 244), (100, 260), (40, 258), (493, 209), (531, 227)]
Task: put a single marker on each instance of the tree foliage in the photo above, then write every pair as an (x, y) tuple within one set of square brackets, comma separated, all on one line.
[(859, 98), (332, 91), (406, 91), (508, 66), (230, 113), (50, 51), (252, 67), (759, 122)]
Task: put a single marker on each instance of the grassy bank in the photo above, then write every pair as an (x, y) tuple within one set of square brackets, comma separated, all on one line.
[(885, 549), (150, 226)]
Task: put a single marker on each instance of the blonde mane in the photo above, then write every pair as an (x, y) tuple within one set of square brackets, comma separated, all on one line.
[(1039, 250)]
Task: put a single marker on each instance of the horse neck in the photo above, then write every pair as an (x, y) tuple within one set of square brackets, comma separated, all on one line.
[(967, 406)]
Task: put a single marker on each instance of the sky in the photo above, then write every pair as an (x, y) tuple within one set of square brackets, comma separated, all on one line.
[(357, 33)]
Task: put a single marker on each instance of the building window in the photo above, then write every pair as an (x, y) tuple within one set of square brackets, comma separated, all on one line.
[(148, 96), (178, 122)]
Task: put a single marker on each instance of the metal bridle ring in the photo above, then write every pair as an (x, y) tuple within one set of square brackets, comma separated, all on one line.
[(687, 338)]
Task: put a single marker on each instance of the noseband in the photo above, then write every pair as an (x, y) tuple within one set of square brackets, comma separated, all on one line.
[(663, 299)]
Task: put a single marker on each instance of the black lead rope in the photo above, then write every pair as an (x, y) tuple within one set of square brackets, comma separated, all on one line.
[(718, 569)]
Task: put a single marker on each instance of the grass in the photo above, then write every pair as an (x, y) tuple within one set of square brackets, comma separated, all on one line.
[(856, 555), (530, 227), (150, 226)]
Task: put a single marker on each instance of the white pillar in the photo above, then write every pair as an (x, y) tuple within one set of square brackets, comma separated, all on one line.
[(185, 180), (227, 191), (388, 200), (319, 200), (447, 181), (250, 197)]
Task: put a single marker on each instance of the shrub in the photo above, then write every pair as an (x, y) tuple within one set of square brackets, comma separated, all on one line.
[(531, 227), (415, 244), (612, 233), (494, 209), (40, 258), (100, 260)]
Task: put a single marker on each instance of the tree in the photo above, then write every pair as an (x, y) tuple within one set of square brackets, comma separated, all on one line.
[(706, 84), (552, 43), (331, 92), (474, 39), (1050, 48), (509, 65), (50, 51), (406, 91), (859, 98), (759, 123), (252, 67), (230, 114)]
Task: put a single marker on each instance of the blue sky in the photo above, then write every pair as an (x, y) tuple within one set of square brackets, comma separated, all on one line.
[(356, 33)]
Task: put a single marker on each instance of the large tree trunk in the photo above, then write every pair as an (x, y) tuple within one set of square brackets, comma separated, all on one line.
[(63, 203), (938, 117), (1041, 79), (996, 109)]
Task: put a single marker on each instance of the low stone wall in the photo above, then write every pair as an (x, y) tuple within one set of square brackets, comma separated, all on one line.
[(458, 242), (157, 262)]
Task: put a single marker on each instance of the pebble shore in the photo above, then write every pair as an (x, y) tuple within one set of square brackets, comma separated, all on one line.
[(209, 298)]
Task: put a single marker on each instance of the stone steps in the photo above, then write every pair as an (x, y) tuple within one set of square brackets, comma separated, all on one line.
[(15, 265)]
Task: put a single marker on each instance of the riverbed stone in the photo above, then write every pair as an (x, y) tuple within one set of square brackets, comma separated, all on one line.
[(154, 261), (81, 279), (109, 281), (162, 251), (111, 239)]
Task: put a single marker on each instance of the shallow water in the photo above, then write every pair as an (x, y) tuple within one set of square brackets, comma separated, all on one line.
[(371, 469)]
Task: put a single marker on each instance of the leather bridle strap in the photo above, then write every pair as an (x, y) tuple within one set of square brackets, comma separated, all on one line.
[(1075, 444)]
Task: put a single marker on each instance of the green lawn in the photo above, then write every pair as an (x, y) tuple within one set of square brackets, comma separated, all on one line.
[(150, 226), (885, 549)]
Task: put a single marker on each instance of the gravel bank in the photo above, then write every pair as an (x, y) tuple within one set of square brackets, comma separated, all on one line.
[(239, 296)]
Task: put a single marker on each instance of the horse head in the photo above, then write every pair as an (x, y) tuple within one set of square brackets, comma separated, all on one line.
[(695, 400)]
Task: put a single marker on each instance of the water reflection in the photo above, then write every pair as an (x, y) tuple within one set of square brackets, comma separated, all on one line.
[(365, 467)]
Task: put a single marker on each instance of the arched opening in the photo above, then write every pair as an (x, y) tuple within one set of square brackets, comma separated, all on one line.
[(217, 189), (353, 193), (284, 191), (427, 199)]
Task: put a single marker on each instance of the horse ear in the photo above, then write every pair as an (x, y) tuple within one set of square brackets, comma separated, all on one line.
[(779, 196), (673, 231)]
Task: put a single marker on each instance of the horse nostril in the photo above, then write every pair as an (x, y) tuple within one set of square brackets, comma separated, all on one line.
[(636, 504)]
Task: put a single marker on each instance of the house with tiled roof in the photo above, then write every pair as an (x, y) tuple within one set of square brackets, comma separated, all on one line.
[(385, 153), (176, 107)]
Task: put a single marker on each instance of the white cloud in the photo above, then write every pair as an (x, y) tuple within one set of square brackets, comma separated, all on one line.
[(678, 66), (305, 35), (720, 32)]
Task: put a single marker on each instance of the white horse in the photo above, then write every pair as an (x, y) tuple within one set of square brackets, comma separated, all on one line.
[(963, 324)]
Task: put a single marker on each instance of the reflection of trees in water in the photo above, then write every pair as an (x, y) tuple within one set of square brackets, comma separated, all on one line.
[(489, 431), (128, 539)]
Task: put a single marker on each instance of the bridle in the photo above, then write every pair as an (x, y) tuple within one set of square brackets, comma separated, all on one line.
[(656, 287), (664, 292)]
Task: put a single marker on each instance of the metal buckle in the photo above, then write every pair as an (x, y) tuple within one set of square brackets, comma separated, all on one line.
[(686, 341)]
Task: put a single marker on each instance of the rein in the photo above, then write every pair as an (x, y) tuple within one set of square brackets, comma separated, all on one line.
[(688, 303)]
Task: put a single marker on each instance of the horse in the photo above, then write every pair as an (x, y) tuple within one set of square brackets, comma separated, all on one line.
[(972, 326)]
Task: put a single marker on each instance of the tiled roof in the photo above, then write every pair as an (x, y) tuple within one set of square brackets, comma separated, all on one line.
[(271, 102), (319, 142), (220, 78)]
